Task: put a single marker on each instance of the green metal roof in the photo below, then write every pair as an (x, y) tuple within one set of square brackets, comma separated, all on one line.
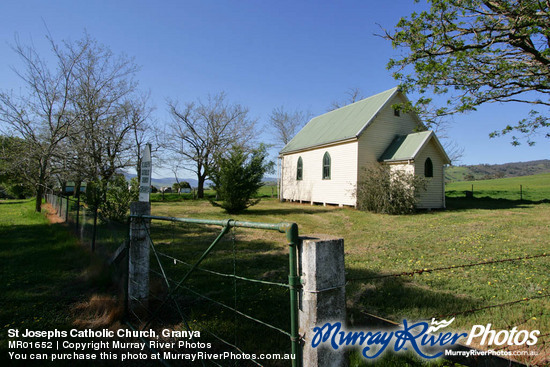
[(341, 124), (405, 147)]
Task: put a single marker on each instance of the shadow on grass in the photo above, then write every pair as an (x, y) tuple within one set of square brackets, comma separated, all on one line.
[(381, 303), (10, 202), (399, 297), (291, 210), (45, 273), (395, 298), (457, 204)]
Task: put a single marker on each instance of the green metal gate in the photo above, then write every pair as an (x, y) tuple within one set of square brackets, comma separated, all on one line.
[(172, 238)]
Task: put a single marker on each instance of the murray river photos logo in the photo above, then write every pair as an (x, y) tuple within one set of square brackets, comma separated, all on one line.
[(428, 340)]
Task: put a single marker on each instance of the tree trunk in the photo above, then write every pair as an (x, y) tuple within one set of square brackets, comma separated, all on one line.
[(200, 186), (77, 185), (39, 195), (40, 187)]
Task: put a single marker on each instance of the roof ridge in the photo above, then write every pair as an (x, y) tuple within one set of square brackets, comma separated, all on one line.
[(343, 123), (356, 102)]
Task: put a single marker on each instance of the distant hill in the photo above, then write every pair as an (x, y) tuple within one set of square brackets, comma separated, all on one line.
[(169, 181), (165, 181), (492, 171)]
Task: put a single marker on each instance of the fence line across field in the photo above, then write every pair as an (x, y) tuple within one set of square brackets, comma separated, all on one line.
[(452, 267), (92, 230), (419, 272)]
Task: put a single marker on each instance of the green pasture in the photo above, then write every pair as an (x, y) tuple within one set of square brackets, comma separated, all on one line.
[(45, 274), (469, 232), (532, 188)]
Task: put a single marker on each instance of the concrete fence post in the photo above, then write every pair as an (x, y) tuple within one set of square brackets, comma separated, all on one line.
[(138, 257), (323, 295)]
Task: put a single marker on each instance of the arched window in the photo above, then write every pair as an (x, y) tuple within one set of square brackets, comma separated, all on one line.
[(428, 168), (300, 169), (326, 166)]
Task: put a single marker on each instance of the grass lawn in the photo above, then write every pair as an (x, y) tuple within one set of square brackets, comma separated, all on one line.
[(46, 276), (470, 231)]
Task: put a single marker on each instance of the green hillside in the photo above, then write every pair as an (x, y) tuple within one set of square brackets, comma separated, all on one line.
[(535, 188)]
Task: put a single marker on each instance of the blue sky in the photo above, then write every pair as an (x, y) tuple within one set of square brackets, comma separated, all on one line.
[(263, 54)]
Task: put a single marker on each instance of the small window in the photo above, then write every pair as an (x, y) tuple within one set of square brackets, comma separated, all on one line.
[(326, 166), (396, 112), (428, 168), (300, 169)]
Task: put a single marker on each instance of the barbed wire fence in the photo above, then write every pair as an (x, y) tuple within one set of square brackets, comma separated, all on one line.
[(486, 312)]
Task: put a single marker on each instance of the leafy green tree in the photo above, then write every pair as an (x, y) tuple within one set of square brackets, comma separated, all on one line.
[(476, 52), (180, 185), (112, 200), (14, 167), (237, 177)]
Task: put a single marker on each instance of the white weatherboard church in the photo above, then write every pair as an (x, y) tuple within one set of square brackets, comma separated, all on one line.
[(323, 162)]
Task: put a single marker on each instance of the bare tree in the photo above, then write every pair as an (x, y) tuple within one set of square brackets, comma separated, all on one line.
[(143, 131), (286, 124), (42, 116), (111, 116), (353, 95), (200, 132)]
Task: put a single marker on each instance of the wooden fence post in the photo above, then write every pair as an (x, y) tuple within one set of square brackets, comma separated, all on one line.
[(138, 257), (77, 213), (520, 192), (67, 209), (323, 296), (94, 229)]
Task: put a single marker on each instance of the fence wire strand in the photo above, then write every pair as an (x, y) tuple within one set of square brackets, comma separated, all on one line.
[(231, 308), (473, 310), (452, 267), (224, 274)]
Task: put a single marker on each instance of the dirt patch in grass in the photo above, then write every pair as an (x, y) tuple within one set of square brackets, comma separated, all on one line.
[(51, 214)]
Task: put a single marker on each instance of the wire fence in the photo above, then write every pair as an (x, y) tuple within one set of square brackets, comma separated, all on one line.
[(233, 286), (98, 234), (236, 292), (482, 190), (407, 290)]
